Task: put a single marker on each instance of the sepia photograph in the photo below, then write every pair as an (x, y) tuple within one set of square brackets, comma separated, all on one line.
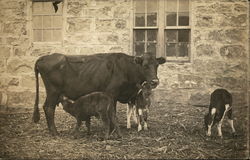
[(124, 79)]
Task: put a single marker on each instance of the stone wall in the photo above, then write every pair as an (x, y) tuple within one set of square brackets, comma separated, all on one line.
[(219, 52), (219, 55)]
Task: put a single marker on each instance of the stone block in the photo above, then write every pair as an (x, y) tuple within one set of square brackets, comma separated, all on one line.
[(6, 81), (2, 65), (78, 25), (121, 24), (104, 25), (205, 50), (240, 7), (18, 51), (233, 51), (28, 81), (76, 7), (122, 11), (22, 98), (5, 51), (20, 65), (15, 28), (231, 20), (204, 21)]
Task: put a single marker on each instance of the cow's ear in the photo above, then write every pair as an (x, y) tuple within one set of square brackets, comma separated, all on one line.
[(161, 60), (138, 60)]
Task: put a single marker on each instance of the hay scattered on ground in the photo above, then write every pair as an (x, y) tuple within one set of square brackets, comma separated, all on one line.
[(176, 131)]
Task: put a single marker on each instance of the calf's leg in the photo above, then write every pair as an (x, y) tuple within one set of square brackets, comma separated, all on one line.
[(129, 114), (230, 120), (211, 121), (221, 121)]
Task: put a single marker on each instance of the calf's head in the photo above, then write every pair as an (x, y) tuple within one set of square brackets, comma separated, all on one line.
[(150, 65)]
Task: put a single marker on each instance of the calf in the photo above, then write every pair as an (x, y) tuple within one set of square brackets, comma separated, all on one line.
[(220, 105), (96, 104), (140, 106)]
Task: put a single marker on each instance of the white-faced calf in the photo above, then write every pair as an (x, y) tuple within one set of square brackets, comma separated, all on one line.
[(220, 105), (140, 106), (96, 104)]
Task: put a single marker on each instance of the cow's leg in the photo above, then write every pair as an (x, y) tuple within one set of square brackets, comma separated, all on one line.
[(230, 120), (211, 117), (87, 123), (49, 110), (129, 113), (135, 115)]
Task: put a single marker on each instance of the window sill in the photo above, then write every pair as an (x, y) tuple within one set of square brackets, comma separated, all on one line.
[(46, 43)]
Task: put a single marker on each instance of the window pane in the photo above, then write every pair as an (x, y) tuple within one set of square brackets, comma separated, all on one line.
[(139, 49), (183, 49), (151, 47), (37, 22), (48, 8), (47, 22), (152, 19), (183, 18), (140, 6), (37, 8), (183, 35), (171, 6), (57, 22), (171, 36), (152, 6), (171, 49), (171, 19), (140, 20), (47, 35), (152, 35), (37, 35), (183, 5), (140, 35), (57, 35)]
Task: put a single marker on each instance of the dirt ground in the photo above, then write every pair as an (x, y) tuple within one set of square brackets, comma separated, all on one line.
[(175, 131)]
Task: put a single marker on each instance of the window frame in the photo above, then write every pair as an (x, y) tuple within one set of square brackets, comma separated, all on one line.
[(145, 28), (161, 28), (60, 42)]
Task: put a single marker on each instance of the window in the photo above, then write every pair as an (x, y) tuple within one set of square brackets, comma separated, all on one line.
[(145, 30), (47, 24), (162, 26)]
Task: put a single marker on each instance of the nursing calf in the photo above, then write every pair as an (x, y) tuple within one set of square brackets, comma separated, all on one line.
[(140, 106), (96, 104), (220, 105)]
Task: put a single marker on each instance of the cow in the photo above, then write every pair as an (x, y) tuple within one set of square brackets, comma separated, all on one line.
[(140, 107), (98, 104), (220, 105), (117, 74)]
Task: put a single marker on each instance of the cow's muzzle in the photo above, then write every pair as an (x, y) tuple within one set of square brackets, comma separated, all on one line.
[(154, 83)]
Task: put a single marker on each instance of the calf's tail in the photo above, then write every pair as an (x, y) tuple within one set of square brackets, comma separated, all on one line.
[(36, 114)]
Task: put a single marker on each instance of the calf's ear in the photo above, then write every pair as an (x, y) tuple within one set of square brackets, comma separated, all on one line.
[(161, 60), (138, 60)]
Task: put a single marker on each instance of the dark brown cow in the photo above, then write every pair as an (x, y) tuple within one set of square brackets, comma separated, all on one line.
[(96, 104), (117, 74), (220, 105)]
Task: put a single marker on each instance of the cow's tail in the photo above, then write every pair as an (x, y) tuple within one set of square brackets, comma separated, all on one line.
[(36, 114)]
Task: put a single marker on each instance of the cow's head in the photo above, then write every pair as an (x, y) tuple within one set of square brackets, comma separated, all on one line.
[(149, 65)]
